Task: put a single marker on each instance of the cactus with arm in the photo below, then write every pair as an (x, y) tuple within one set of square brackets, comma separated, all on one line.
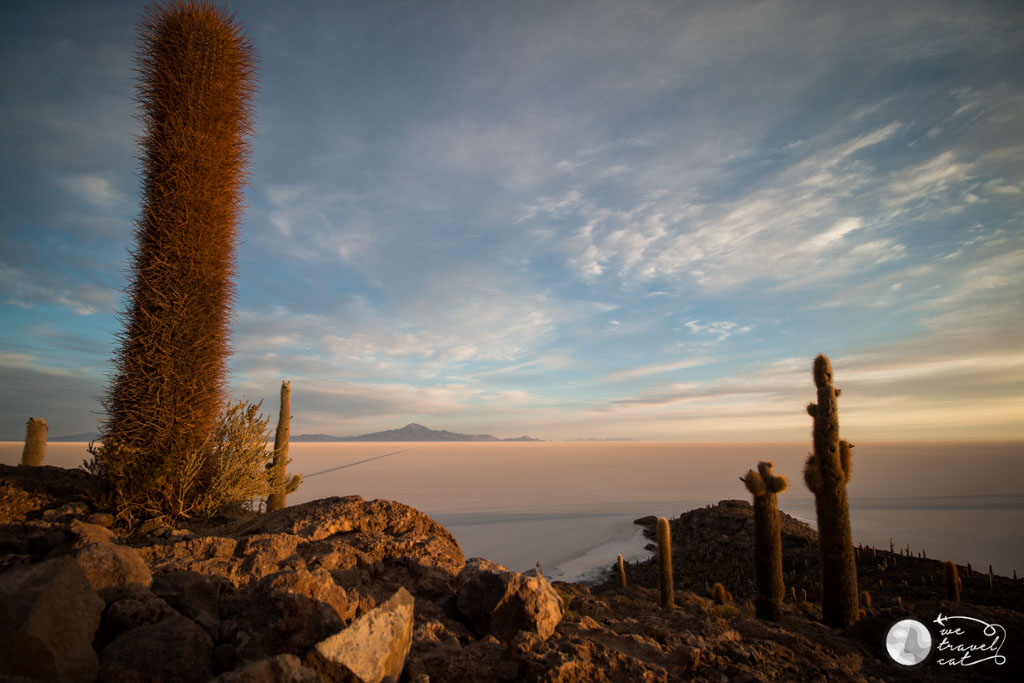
[(765, 486), (826, 474)]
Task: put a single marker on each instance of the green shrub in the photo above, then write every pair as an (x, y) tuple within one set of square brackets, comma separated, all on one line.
[(232, 471)]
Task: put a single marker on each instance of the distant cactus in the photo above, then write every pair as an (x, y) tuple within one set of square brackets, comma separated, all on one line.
[(765, 487), (34, 451), (276, 500), (826, 473), (865, 600), (718, 594), (665, 564), (622, 572), (952, 581)]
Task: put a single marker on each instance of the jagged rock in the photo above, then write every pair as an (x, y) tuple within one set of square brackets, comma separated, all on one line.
[(16, 504), (133, 607), (374, 646), (502, 602), (102, 519), (33, 537), (67, 511), (264, 554), (86, 533), (194, 595), (382, 529), (207, 555), (279, 669), (174, 650), (49, 616), (110, 567), (292, 610), (150, 525)]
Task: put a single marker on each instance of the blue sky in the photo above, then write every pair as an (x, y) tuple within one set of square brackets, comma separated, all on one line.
[(563, 219)]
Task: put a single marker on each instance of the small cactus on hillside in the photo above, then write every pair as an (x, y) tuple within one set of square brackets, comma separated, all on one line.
[(826, 474), (665, 564), (765, 487), (34, 451), (718, 594), (622, 572), (952, 581)]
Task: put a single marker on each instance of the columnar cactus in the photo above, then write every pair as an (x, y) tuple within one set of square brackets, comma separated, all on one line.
[(718, 594), (621, 567), (765, 487), (668, 600), (34, 451), (276, 500), (195, 85), (952, 581), (826, 473)]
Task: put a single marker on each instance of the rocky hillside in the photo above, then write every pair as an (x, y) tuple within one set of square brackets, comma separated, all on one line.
[(345, 589)]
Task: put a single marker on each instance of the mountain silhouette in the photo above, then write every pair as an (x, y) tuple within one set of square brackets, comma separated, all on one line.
[(410, 432)]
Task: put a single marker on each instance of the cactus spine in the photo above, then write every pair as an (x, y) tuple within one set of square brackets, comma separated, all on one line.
[(826, 473), (282, 485), (952, 581), (765, 487), (622, 572), (665, 564), (195, 84), (34, 451)]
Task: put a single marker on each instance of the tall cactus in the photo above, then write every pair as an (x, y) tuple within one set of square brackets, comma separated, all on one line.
[(34, 450), (668, 600), (195, 86), (765, 487), (282, 485), (826, 473)]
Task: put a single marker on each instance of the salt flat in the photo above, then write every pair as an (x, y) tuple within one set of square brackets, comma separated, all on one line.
[(570, 505)]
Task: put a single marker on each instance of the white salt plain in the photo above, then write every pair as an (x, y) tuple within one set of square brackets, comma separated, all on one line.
[(570, 506)]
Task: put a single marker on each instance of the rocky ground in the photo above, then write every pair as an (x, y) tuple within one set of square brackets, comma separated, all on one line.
[(348, 589)]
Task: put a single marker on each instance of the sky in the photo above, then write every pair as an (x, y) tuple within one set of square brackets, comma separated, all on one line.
[(563, 219)]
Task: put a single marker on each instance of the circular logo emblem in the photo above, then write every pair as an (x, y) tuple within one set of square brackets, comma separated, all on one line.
[(908, 642)]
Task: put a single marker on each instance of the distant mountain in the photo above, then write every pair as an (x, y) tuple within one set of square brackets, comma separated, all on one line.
[(410, 432), (84, 436)]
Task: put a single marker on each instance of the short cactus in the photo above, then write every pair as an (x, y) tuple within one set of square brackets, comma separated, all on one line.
[(281, 485), (665, 564), (718, 594), (34, 451), (826, 473), (952, 581), (765, 487)]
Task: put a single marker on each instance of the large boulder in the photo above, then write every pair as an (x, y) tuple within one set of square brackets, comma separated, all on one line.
[(50, 614), (110, 567), (289, 611), (174, 650), (501, 602), (381, 529), (374, 646)]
